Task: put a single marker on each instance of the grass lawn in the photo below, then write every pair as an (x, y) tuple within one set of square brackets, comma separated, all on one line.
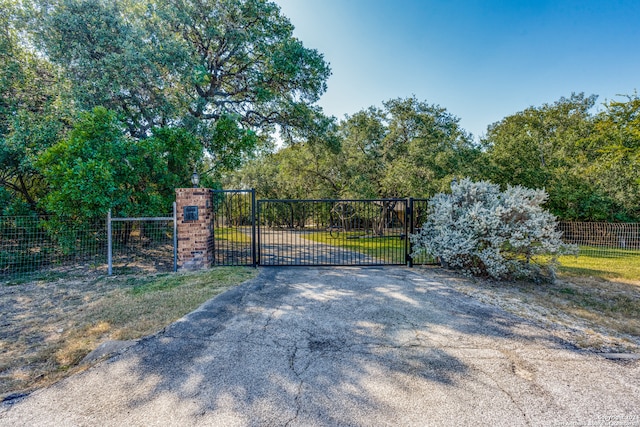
[(233, 235), (389, 249), (615, 264), (50, 325)]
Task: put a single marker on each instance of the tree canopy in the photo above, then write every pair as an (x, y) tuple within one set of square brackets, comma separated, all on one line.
[(98, 168), (220, 74), (586, 162), (189, 63), (112, 103), (34, 113), (612, 155), (407, 148)]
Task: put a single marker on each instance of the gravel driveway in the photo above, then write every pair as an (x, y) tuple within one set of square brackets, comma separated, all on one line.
[(343, 346)]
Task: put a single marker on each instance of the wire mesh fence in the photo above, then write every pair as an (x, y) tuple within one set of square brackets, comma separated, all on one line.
[(31, 246), (369, 232), (142, 245), (603, 239)]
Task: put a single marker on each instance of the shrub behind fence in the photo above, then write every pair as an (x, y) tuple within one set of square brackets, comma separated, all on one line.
[(29, 245), (142, 245)]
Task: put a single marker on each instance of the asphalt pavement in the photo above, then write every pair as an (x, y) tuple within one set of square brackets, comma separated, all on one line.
[(343, 347)]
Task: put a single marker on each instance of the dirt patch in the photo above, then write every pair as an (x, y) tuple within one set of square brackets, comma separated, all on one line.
[(48, 326), (589, 312), (36, 319)]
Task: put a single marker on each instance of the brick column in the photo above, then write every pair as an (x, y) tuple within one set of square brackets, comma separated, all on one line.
[(195, 236)]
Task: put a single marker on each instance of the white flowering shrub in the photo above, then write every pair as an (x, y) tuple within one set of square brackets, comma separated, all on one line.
[(487, 232)]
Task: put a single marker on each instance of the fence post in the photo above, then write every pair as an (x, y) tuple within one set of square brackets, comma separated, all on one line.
[(109, 245), (175, 237), (259, 232), (408, 230), (254, 257)]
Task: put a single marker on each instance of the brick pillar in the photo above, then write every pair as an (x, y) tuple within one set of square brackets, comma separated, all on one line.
[(195, 236)]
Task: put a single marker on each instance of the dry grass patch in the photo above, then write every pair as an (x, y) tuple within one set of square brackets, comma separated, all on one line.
[(48, 326), (590, 312)]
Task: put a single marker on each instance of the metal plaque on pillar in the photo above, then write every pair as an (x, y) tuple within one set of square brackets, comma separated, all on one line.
[(190, 213)]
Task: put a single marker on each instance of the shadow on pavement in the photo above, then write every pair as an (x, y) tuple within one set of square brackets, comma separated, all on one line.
[(329, 346)]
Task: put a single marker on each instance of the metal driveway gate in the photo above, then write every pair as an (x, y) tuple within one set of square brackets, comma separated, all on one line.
[(234, 227), (327, 232), (334, 232)]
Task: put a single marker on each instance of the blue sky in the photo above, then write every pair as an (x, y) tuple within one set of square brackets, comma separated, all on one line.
[(481, 60)]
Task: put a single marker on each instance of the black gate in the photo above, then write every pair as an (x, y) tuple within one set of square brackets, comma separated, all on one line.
[(313, 232), (234, 227), (333, 232)]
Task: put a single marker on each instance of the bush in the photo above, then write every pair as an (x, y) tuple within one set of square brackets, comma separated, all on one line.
[(486, 232)]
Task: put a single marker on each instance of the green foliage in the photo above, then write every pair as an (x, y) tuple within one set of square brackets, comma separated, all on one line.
[(301, 171), (613, 154), (529, 147), (588, 164), (98, 168), (409, 148), (425, 148), (85, 171), (206, 84), (227, 71), (33, 113), (228, 143), (173, 151), (112, 59)]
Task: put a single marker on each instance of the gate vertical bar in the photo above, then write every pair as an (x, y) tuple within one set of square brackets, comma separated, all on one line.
[(408, 230), (175, 236), (109, 245), (214, 225), (259, 232), (254, 258)]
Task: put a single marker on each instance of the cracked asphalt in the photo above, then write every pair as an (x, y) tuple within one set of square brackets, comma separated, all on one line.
[(343, 347)]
